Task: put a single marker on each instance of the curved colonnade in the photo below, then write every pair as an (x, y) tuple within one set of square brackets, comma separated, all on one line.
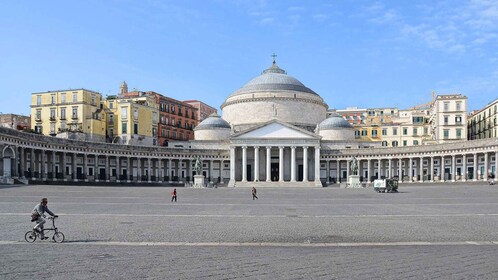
[(41, 158)]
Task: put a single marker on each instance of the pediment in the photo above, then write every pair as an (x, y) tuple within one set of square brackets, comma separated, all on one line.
[(276, 130)]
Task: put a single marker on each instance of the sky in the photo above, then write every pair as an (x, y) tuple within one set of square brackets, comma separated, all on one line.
[(366, 54)]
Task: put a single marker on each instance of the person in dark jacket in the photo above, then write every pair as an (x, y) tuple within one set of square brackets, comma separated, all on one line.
[(173, 195), (254, 193), (38, 215)]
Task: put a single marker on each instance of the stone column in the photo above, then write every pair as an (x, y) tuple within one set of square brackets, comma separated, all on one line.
[(96, 167), (139, 169), (32, 163), (74, 160), (179, 164), (85, 167), (160, 171), (280, 164), (338, 171), (21, 162), (369, 175), (496, 166), (130, 170), (379, 168), (256, 164), (464, 167), (441, 166), (318, 183), (390, 168), (432, 169), (305, 164), (211, 178), (410, 172), (170, 178), (293, 164), (148, 170), (328, 171), (453, 168), (244, 163), (43, 172), (268, 164), (222, 165), (348, 169), (400, 170), (421, 173), (231, 182), (486, 167), (107, 168), (118, 169), (475, 168)]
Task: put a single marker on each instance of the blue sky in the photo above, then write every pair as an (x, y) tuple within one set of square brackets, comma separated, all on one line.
[(353, 53)]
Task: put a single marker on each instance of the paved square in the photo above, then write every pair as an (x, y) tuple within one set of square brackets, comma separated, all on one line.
[(424, 232)]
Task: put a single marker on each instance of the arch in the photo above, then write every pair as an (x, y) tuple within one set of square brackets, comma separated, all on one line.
[(8, 152)]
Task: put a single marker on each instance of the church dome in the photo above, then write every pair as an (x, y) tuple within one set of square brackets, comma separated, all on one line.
[(274, 95), (333, 122), (212, 122)]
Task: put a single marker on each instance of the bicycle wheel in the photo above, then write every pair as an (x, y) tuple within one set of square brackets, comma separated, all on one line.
[(30, 236), (58, 237)]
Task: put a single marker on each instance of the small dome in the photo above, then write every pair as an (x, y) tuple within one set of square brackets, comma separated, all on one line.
[(213, 121), (333, 122)]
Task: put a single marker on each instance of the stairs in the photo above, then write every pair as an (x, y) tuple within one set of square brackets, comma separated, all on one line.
[(275, 184)]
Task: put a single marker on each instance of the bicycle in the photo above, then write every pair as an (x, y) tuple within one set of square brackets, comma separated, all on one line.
[(58, 236)]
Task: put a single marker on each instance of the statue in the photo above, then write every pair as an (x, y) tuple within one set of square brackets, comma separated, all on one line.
[(198, 166), (354, 166)]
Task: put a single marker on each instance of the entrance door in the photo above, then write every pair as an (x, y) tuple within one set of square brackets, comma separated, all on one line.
[(274, 172), (249, 174), (300, 172)]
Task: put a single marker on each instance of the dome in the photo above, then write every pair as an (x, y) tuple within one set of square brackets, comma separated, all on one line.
[(333, 122), (213, 122), (273, 79)]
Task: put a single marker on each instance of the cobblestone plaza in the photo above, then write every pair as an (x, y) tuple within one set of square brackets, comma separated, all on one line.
[(444, 231)]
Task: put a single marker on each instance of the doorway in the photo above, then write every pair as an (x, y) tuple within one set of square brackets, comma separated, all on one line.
[(274, 172)]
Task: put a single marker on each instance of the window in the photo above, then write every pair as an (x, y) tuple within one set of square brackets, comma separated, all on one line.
[(38, 100), (426, 130), (111, 105), (52, 114), (135, 128), (459, 133), (459, 105), (415, 142), (94, 99), (395, 131), (63, 97), (384, 131), (173, 122), (135, 114), (124, 128), (415, 131), (52, 99), (52, 128), (446, 133), (363, 132), (384, 143), (446, 106), (75, 97), (458, 120), (405, 131), (63, 113), (374, 133), (394, 143), (166, 120), (75, 112), (124, 113), (446, 120), (356, 133), (111, 118), (405, 142)]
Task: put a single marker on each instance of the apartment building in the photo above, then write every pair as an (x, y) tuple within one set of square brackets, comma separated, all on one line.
[(449, 118), (483, 123)]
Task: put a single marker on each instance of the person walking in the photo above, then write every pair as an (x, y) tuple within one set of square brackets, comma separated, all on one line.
[(173, 195), (254, 196)]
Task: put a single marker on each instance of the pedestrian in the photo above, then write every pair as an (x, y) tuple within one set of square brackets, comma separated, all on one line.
[(173, 195), (254, 196)]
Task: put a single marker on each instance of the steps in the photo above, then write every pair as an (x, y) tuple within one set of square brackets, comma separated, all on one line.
[(275, 184)]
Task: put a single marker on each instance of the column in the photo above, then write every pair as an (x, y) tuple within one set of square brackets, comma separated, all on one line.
[(32, 163), (496, 166), (464, 167), (160, 172), (222, 165), (231, 183), (268, 164), (432, 169), (130, 170), (73, 167), (170, 178), (410, 172), (85, 167), (148, 170), (442, 169), (96, 167), (318, 183), (400, 170), (280, 164), (453, 168), (256, 164), (348, 168), (475, 168), (485, 174), (21, 162), (338, 171), (390, 168), (244, 164), (293, 164), (369, 175), (421, 173), (139, 169), (378, 168), (211, 178), (107, 168), (305, 164), (118, 169), (43, 172), (179, 169), (328, 171)]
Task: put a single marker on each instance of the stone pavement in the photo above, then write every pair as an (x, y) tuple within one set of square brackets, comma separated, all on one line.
[(424, 232)]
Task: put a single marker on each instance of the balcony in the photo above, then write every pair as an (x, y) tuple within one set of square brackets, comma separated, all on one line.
[(74, 117), (52, 118)]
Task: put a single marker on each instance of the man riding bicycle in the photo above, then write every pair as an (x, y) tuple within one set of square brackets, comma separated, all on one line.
[(38, 216)]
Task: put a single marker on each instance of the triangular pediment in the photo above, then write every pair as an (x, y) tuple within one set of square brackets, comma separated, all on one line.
[(276, 130)]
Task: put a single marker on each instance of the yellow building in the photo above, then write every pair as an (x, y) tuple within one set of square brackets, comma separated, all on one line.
[(133, 118), (72, 113), (483, 124)]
